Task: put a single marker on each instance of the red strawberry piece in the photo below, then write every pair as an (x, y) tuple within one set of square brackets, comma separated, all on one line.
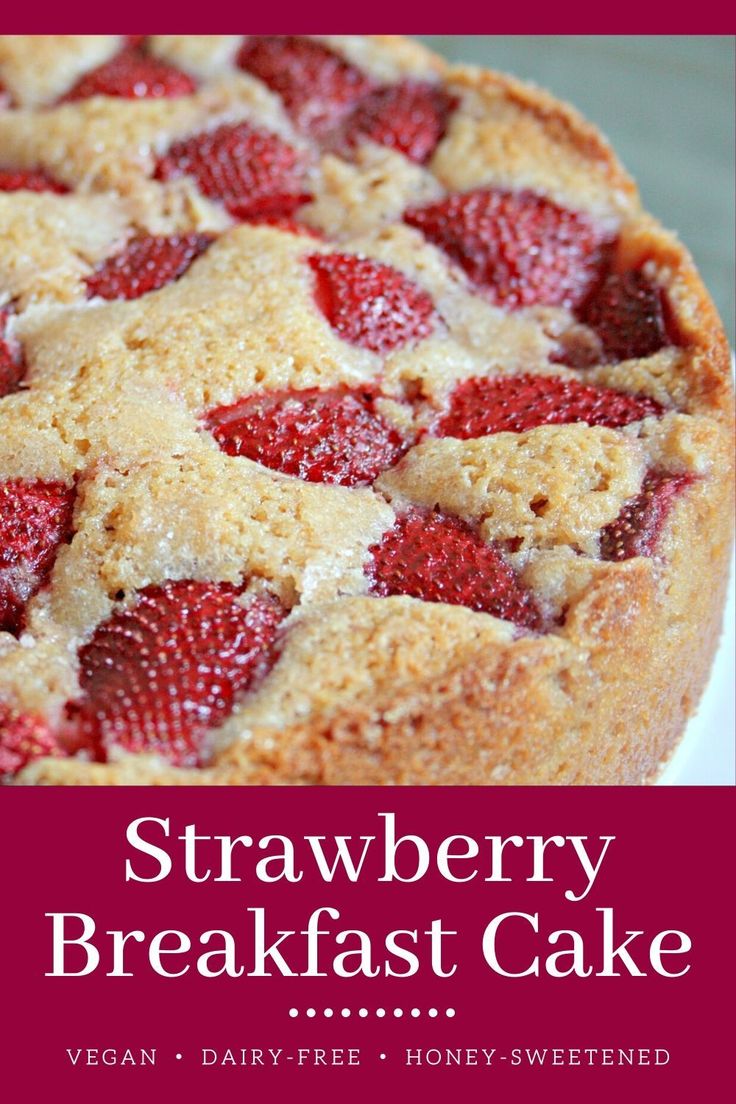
[(410, 117), (132, 74), (495, 404), (29, 180), (146, 264), (518, 247), (35, 519), (288, 225), (636, 530), (253, 172), (369, 303), (440, 558), (12, 365), (627, 311), (577, 348), (334, 436), (157, 676), (5, 98), (23, 738), (318, 87)]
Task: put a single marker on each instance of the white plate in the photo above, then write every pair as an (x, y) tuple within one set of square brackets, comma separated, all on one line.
[(708, 749)]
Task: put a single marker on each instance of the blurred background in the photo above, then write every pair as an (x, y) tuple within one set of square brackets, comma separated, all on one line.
[(666, 102)]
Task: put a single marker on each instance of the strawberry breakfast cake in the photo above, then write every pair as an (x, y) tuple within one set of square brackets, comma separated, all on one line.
[(356, 425)]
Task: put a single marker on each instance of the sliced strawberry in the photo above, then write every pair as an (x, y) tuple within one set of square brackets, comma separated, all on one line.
[(145, 264), (577, 348), (29, 180), (318, 87), (410, 117), (132, 75), (23, 738), (518, 247), (12, 365), (288, 225), (636, 530), (253, 172), (440, 558), (371, 304), (157, 676), (627, 311), (334, 436), (35, 519), (495, 404)]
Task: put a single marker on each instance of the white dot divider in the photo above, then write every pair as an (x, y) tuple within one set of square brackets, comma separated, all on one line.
[(380, 1013)]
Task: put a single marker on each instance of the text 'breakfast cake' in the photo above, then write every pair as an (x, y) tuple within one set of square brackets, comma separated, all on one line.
[(357, 426)]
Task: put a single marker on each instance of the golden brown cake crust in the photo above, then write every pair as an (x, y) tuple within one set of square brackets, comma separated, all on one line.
[(394, 691)]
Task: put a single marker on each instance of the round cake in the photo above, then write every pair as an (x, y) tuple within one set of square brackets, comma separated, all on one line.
[(357, 425)]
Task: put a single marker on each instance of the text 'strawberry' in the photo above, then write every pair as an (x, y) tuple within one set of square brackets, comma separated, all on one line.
[(627, 311), (317, 86), (519, 248), (254, 173), (146, 263), (440, 558), (29, 180), (23, 738), (369, 303), (132, 74), (35, 519), (410, 117), (157, 676), (335, 436), (496, 404), (637, 529), (12, 364)]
